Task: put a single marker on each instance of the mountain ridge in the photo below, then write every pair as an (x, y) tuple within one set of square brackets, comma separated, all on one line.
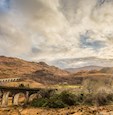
[(41, 72), (84, 68)]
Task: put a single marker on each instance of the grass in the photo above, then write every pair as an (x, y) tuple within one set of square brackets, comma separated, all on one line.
[(60, 86)]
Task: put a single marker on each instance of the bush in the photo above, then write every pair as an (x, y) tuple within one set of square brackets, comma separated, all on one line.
[(67, 98), (80, 98), (89, 100), (101, 99), (56, 101), (39, 102), (47, 93), (110, 97), (55, 104), (51, 103)]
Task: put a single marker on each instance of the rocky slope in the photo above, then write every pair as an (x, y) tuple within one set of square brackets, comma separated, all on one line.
[(14, 67)]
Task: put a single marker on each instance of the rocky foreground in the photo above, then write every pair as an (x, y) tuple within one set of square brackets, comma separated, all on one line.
[(84, 110)]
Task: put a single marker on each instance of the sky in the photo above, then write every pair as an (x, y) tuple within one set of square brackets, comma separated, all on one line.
[(64, 33)]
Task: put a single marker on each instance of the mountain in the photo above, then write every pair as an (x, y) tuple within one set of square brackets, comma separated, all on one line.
[(107, 70), (42, 73), (14, 67), (39, 72), (85, 68)]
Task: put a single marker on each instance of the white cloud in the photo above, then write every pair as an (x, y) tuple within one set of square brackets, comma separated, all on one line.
[(51, 30)]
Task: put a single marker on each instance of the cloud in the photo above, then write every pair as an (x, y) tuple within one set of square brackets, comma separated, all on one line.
[(56, 29), (81, 62)]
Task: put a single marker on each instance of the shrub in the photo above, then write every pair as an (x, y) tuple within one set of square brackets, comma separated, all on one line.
[(104, 96), (101, 99), (55, 104), (89, 100), (80, 98), (67, 98), (110, 97), (50, 103), (39, 102), (47, 93), (55, 101)]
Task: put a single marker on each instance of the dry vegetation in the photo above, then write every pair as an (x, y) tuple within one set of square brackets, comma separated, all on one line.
[(81, 93)]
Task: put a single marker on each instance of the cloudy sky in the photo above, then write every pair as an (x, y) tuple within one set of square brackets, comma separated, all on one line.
[(58, 31)]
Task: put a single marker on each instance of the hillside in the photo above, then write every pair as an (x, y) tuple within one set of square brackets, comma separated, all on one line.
[(104, 72), (97, 72), (14, 67), (40, 72)]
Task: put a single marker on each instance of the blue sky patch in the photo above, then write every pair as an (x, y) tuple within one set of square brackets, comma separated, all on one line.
[(4, 5), (87, 42)]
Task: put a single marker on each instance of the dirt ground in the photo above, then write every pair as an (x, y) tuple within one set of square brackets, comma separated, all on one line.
[(84, 110)]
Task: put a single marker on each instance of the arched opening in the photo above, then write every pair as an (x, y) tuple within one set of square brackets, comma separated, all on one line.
[(6, 100), (33, 96), (1, 95), (19, 99), (13, 80)]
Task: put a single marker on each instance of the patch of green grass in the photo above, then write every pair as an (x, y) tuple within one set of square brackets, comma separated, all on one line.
[(60, 86)]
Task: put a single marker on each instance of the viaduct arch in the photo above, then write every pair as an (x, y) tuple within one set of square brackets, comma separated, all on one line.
[(15, 92)]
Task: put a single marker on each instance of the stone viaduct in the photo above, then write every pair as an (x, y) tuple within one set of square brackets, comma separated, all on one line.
[(15, 92), (10, 80)]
